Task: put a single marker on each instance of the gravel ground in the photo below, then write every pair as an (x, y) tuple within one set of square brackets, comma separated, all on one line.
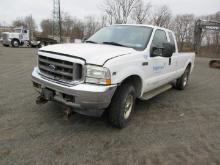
[(176, 127)]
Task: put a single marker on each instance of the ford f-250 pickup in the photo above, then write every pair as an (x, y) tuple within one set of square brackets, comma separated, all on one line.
[(113, 68)]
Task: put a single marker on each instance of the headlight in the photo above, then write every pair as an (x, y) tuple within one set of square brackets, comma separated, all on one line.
[(98, 75)]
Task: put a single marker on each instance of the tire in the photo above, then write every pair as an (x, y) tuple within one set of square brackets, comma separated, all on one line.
[(5, 45), (29, 44), (182, 82), (122, 106), (39, 46), (15, 43)]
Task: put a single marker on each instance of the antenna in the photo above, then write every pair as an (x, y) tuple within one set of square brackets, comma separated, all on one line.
[(57, 25)]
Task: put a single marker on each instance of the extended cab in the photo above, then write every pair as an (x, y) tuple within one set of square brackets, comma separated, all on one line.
[(115, 66)]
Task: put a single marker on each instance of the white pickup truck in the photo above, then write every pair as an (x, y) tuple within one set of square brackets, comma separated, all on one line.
[(113, 68)]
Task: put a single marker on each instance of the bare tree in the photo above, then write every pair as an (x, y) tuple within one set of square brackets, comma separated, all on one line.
[(67, 24), (91, 26), (27, 22), (141, 11), (103, 21), (183, 25), (18, 22), (78, 29), (73, 27), (162, 16), (47, 27), (30, 23), (118, 11)]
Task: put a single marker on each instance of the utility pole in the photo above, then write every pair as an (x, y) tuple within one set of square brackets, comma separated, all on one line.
[(60, 23), (57, 23), (31, 35)]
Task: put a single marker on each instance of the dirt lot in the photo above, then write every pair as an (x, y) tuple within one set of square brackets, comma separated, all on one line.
[(177, 127)]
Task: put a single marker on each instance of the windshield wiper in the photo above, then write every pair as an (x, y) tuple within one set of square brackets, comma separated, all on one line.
[(114, 43), (93, 42)]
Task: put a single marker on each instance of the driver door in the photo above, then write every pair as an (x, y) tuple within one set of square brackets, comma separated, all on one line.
[(25, 34), (159, 65)]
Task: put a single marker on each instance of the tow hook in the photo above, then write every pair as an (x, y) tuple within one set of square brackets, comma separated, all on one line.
[(41, 100), (67, 113)]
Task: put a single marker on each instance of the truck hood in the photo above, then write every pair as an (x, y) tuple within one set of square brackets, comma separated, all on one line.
[(96, 54), (5, 33)]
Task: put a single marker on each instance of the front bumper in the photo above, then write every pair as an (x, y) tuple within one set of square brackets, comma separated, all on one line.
[(88, 99)]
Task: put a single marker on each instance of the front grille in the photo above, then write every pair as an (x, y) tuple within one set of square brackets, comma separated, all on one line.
[(60, 70), (4, 36)]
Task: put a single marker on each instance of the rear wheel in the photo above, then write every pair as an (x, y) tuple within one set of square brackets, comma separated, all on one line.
[(122, 105), (15, 43), (182, 82)]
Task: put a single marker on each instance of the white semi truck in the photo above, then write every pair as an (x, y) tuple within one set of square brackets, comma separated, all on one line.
[(113, 68), (23, 37)]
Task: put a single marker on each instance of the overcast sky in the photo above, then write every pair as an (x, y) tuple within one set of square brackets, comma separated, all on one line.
[(41, 9)]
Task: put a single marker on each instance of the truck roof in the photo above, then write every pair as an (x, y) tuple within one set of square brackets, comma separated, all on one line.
[(144, 25)]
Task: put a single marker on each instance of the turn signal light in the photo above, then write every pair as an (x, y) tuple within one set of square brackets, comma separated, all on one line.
[(108, 82)]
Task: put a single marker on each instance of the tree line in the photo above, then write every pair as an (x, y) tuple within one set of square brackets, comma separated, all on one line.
[(130, 11)]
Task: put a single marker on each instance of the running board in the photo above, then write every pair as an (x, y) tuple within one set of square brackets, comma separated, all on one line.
[(155, 92)]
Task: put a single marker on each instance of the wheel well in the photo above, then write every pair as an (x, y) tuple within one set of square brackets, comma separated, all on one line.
[(15, 39), (189, 66), (135, 81)]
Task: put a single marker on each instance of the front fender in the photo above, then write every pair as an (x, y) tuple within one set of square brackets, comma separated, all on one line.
[(190, 61), (126, 66)]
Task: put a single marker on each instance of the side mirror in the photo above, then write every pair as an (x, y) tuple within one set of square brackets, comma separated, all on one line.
[(168, 49), (155, 51)]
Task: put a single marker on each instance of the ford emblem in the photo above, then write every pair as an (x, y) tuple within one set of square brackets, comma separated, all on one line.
[(52, 67)]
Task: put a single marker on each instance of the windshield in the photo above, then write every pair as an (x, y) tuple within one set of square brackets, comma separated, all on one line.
[(136, 37), (17, 30)]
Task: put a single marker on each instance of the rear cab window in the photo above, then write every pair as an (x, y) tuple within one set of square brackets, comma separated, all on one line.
[(160, 37), (172, 40)]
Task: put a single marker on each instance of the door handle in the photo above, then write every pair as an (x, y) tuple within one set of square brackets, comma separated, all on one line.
[(170, 61), (145, 63)]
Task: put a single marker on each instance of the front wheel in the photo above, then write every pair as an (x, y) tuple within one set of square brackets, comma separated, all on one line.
[(122, 105), (15, 43), (182, 82)]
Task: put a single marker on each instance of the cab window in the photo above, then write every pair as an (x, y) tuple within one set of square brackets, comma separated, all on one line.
[(159, 38)]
